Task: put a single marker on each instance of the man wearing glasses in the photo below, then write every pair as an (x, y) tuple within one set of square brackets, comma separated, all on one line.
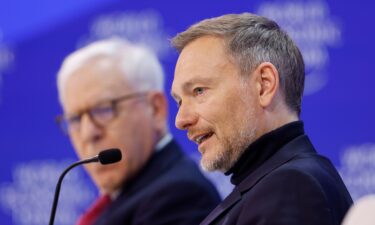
[(112, 96)]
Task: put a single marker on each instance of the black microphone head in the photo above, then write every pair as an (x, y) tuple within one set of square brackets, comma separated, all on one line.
[(109, 156)]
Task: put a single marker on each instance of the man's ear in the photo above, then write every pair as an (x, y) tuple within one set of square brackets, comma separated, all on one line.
[(267, 83), (159, 107)]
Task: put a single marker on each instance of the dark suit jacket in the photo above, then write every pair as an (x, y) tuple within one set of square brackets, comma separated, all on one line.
[(170, 189), (296, 186)]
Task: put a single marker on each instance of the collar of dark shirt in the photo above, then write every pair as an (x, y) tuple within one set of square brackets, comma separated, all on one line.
[(262, 149)]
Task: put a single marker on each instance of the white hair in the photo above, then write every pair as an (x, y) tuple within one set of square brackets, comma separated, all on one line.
[(139, 65)]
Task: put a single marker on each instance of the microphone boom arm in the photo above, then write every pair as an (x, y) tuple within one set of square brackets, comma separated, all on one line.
[(59, 182), (104, 157)]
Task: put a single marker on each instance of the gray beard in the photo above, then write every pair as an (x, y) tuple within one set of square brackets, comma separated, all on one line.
[(233, 147)]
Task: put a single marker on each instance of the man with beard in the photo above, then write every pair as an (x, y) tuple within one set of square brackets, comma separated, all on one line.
[(239, 83)]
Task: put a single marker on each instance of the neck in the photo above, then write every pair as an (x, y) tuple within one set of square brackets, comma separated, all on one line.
[(277, 117)]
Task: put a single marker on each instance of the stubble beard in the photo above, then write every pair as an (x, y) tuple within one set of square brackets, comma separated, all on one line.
[(232, 147)]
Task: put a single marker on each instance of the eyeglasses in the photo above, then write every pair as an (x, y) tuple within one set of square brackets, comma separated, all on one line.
[(100, 115)]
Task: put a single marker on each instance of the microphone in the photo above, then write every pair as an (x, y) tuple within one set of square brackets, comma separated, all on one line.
[(104, 157)]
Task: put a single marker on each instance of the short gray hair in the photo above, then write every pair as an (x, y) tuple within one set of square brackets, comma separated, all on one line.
[(250, 40), (138, 64)]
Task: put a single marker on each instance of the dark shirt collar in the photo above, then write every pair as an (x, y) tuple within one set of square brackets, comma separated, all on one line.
[(262, 149)]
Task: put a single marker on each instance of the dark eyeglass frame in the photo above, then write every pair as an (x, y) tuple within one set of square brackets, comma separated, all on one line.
[(65, 122)]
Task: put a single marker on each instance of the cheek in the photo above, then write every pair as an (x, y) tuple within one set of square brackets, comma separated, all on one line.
[(229, 116), (132, 135), (221, 109), (118, 138), (78, 146), (123, 129)]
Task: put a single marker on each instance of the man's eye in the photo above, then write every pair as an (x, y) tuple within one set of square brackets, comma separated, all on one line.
[(102, 113), (101, 110), (198, 91)]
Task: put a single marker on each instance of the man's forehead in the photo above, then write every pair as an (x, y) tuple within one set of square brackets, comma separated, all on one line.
[(198, 62), (94, 87)]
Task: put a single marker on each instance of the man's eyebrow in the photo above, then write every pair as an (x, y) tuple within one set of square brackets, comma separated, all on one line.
[(185, 86), (197, 80)]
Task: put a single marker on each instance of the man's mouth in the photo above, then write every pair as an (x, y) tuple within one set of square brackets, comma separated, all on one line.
[(199, 139)]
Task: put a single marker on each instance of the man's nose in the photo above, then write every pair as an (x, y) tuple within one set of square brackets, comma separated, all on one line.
[(185, 117), (89, 130)]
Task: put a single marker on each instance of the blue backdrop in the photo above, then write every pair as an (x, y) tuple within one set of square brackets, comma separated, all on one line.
[(336, 38)]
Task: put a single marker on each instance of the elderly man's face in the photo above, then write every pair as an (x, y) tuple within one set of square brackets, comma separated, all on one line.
[(132, 129), (216, 106)]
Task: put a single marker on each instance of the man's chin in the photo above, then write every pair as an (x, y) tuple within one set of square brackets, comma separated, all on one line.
[(218, 161), (209, 164), (106, 185), (101, 177)]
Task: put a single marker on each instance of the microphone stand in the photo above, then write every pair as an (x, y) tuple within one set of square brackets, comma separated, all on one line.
[(58, 186)]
